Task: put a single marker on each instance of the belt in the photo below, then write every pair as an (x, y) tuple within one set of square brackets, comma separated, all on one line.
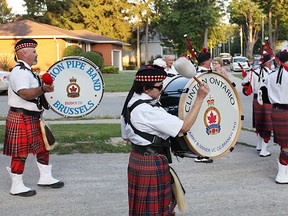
[(149, 149), (280, 106), (25, 112)]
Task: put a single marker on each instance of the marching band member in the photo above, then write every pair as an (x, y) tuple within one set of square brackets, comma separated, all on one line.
[(261, 112), (148, 127), (277, 86), (204, 61), (23, 133)]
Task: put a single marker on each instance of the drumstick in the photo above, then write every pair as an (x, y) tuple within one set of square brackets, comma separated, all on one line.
[(186, 69)]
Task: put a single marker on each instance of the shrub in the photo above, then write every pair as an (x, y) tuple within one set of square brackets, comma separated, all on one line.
[(130, 67), (73, 50), (110, 70), (95, 57)]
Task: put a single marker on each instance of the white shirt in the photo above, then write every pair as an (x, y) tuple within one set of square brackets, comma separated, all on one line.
[(278, 93), (149, 119), (254, 80), (21, 79), (171, 70), (201, 68)]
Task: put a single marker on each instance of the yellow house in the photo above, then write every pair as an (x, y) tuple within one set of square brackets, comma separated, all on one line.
[(52, 42)]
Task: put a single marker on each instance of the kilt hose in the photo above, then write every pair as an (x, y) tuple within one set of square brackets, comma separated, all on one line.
[(22, 135), (280, 127), (262, 121), (149, 186)]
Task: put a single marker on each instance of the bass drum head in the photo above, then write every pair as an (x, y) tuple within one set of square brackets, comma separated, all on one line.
[(78, 87), (218, 125)]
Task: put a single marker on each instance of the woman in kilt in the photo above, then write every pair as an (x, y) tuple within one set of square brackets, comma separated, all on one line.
[(277, 85), (23, 133), (149, 178)]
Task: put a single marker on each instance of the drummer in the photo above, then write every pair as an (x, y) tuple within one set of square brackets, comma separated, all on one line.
[(277, 84), (148, 127), (204, 65)]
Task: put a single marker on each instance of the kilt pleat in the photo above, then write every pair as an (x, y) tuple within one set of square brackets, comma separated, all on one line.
[(280, 127), (149, 186), (22, 135), (262, 120)]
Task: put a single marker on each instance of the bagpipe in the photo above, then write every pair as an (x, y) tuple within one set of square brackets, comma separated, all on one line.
[(186, 66), (268, 49)]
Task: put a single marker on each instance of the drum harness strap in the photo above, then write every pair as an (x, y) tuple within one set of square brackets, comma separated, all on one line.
[(157, 146)]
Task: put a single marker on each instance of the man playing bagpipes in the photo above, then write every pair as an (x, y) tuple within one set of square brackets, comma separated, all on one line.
[(23, 133), (277, 86), (262, 109)]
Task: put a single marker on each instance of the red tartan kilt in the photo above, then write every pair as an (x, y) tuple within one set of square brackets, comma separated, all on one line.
[(262, 116), (22, 135), (280, 127), (149, 185)]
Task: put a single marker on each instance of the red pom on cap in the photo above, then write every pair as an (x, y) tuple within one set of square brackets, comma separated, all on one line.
[(204, 50), (47, 79)]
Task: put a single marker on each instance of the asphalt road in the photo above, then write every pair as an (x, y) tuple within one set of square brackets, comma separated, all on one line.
[(240, 183)]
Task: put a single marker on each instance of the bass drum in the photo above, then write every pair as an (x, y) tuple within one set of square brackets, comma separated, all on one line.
[(218, 125), (78, 87)]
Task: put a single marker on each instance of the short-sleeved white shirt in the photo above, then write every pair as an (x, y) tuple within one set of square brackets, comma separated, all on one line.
[(149, 119), (21, 79), (278, 93)]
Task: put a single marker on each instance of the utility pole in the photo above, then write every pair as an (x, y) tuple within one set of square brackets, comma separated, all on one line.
[(138, 45), (262, 29), (241, 41)]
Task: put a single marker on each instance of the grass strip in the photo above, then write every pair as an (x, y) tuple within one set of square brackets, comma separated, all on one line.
[(86, 138)]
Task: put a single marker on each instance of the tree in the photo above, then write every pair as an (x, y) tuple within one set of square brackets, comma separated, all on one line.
[(5, 12), (246, 14), (192, 17), (105, 17), (276, 17)]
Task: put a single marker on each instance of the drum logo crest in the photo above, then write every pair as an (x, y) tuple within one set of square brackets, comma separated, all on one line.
[(73, 89), (212, 117)]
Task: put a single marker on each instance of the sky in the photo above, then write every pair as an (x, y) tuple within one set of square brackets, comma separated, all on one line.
[(16, 5)]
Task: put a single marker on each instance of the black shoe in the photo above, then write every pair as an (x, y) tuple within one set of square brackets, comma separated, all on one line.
[(26, 194), (203, 160), (58, 184)]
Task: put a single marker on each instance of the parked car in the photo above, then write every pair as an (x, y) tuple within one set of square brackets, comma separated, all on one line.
[(226, 58), (4, 76), (234, 66)]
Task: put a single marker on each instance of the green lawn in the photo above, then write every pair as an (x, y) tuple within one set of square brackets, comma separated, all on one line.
[(85, 138), (121, 82)]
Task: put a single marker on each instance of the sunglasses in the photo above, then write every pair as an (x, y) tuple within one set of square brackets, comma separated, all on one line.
[(158, 87)]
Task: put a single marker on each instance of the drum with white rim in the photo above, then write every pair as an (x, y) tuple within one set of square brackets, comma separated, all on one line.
[(218, 125), (78, 87)]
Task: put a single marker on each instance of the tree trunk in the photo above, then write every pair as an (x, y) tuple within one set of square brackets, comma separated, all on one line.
[(205, 43)]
